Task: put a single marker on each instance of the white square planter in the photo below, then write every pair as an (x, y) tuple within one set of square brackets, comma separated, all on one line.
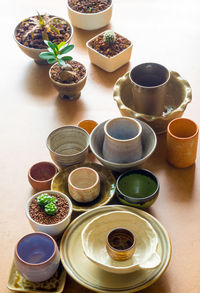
[(109, 64)]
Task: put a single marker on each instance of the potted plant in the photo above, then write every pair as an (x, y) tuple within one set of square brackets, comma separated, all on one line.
[(68, 76), (49, 212), (109, 50), (31, 33), (89, 14)]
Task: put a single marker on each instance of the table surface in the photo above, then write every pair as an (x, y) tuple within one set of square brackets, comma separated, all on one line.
[(167, 32)]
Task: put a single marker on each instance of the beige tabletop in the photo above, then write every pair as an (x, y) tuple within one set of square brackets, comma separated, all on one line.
[(167, 32)]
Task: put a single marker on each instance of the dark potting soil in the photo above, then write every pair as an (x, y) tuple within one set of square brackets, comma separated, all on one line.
[(38, 214), (89, 6), (77, 68), (109, 50), (31, 35)]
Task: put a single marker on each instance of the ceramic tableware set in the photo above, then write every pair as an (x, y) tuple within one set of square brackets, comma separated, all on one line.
[(117, 248)]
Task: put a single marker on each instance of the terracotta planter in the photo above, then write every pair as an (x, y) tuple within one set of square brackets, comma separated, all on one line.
[(71, 91)]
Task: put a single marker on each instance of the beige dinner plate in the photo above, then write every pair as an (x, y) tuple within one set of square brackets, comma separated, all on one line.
[(107, 186), (55, 284), (88, 274)]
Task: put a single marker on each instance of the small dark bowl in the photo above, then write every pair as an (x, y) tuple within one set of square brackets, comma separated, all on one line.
[(138, 188), (120, 244), (41, 174)]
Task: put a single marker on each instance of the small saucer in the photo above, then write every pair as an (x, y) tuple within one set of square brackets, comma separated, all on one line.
[(179, 94), (107, 186), (95, 234), (55, 284)]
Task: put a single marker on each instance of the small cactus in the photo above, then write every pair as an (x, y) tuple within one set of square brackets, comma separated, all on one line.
[(48, 203), (50, 209), (109, 37)]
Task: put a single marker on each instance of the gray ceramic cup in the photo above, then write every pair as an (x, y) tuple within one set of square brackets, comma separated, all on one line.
[(149, 87), (122, 140)]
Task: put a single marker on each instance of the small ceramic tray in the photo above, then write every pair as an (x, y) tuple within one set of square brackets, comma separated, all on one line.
[(54, 285), (107, 189), (89, 275)]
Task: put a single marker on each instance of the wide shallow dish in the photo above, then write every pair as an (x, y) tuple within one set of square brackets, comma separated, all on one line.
[(179, 94), (95, 234), (149, 142), (55, 284), (107, 186), (89, 275)]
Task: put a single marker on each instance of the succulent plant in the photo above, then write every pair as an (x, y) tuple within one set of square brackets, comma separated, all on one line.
[(58, 53), (109, 37), (50, 209), (44, 199)]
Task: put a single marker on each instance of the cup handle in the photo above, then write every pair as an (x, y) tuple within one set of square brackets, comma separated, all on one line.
[(151, 262)]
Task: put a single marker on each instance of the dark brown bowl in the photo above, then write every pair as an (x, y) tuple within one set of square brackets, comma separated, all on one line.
[(41, 174)]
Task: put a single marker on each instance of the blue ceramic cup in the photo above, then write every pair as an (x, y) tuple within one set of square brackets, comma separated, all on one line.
[(37, 257)]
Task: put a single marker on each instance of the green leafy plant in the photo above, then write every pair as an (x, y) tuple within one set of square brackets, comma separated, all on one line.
[(46, 23), (109, 37), (57, 53), (48, 202)]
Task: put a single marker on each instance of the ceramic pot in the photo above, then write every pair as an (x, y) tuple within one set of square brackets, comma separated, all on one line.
[(41, 174), (88, 125), (149, 87), (35, 53), (69, 91), (90, 21), (68, 145), (122, 141), (37, 257), (84, 184), (109, 64), (182, 141)]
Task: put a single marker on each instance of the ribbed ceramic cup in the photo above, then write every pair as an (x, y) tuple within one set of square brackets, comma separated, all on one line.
[(149, 86), (37, 257), (182, 141), (122, 140), (84, 184), (68, 145)]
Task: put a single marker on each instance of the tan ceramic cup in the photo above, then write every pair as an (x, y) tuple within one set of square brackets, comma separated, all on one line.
[(149, 87), (122, 140), (182, 140), (84, 184)]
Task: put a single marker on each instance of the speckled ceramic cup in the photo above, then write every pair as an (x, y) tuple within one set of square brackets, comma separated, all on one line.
[(37, 257), (84, 184), (122, 140)]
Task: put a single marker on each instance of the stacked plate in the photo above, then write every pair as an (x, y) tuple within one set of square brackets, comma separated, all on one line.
[(84, 256)]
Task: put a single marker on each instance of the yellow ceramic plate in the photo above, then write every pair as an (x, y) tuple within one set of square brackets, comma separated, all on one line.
[(107, 191), (55, 284), (88, 274)]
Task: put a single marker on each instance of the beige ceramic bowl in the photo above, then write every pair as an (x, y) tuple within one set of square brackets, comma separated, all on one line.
[(68, 145), (90, 21), (149, 141), (34, 53), (179, 94), (84, 184), (71, 91), (109, 64)]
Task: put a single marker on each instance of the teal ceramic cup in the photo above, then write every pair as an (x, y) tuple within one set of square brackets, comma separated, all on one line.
[(138, 188)]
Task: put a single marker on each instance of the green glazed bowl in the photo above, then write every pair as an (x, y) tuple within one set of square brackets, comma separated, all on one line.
[(138, 188)]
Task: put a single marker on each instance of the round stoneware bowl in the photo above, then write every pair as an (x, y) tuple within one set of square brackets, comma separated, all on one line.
[(68, 145), (35, 53), (90, 21), (41, 174), (52, 225), (138, 188), (84, 184), (36, 257), (178, 96), (69, 91), (149, 142), (88, 125)]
